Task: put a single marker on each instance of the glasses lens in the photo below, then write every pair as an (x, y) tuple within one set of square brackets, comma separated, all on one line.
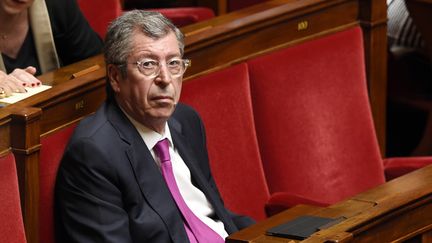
[(148, 67), (151, 68), (175, 66)]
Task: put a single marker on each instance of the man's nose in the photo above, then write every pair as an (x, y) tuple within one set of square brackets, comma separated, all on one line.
[(164, 76)]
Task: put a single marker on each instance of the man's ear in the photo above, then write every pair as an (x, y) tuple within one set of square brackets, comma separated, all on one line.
[(114, 77)]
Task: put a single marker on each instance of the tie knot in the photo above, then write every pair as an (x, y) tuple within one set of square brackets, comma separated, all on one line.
[(161, 150)]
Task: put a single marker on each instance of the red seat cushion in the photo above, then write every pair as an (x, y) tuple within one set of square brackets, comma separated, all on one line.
[(224, 103), (11, 223), (313, 119), (51, 152)]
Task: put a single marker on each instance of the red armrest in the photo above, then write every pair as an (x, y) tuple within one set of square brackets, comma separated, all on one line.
[(395, 167), (281, 201)]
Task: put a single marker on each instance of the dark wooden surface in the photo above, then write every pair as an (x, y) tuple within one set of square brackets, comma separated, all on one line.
[(393, 212)]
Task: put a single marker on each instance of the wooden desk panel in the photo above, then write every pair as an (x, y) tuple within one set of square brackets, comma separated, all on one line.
[(393, 212), (262, 29), (73, 98), (256, 232)]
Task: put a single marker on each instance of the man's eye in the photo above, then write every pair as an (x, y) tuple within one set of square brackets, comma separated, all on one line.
[(149, 64), (174, 63)]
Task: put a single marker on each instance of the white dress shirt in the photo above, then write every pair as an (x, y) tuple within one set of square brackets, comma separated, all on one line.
[(194, 197)]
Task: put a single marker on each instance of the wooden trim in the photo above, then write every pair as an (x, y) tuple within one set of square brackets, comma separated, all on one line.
[(373, 17), (25, 144)]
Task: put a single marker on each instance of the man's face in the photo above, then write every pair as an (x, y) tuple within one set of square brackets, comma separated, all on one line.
[(14, 6), (150, 100)]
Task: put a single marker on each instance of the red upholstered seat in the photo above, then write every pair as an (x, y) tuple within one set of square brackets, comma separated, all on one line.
[(313, 119), (186, 15), (99, 13), (11, 223), (314, 123), (51, 152), (224, 103)]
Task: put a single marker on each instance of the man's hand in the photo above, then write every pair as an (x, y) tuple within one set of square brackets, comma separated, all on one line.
[(16, 81)]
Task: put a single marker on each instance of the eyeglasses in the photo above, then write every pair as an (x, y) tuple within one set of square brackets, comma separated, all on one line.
[(151, 68)]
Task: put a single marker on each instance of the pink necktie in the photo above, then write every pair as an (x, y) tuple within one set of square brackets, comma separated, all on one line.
[(196, 230)]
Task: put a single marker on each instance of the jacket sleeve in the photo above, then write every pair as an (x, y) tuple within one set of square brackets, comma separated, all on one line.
[(88, 202)]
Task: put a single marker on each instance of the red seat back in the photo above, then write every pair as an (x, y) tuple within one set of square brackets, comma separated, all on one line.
[(99, 13), (51, 152), (313, 119), (11, 223), (186, 15), (223, 101)]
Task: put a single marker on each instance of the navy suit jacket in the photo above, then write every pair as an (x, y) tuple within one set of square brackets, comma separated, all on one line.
[(109, 188)]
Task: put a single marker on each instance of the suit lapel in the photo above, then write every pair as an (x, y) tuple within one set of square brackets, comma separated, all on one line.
[(148, 176), (186, 152)]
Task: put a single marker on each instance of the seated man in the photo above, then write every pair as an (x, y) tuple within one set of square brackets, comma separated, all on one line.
[(133, 171)]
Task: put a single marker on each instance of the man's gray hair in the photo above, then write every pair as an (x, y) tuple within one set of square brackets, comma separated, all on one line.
[(118, 38)]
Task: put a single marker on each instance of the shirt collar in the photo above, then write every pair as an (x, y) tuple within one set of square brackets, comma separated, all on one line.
[(149, 136)]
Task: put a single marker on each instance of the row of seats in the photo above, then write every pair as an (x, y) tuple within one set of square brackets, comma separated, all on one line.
[(295, 135), (280, 132), (293, 127)]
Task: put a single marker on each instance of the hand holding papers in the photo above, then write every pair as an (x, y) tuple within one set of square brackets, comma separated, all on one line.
[(20, 96)]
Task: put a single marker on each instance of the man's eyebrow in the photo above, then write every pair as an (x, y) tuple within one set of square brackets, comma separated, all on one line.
[(156, 57), (173, 56), (149, 55)]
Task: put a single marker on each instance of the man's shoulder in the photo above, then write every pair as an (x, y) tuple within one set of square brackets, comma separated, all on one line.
[(93, 124), (184, 111), (186, 116), (186, 120)]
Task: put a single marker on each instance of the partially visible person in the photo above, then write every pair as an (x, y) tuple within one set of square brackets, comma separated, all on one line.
[(37, 36), (401, 30), (138, 169), (409, 79)]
